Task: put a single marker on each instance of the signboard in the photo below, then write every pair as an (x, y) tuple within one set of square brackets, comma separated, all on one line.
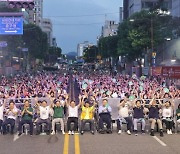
[(11, 25), (156, 71), (145, 70), (3, 44), (25, 49), (171, 71)]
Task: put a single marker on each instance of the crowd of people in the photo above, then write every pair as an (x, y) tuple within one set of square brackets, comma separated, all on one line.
[(139, 100)]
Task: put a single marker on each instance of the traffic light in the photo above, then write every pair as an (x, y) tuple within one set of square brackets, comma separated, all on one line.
[(27, 4)]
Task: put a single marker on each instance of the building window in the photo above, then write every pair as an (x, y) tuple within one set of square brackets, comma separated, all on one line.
[(147, 5)]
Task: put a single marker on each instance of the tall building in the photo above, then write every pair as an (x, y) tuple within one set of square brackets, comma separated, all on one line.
[(175, 8), (46, 26), (36, 15), (133, 6), (109, 29), (82, 46), (120, 14), (54, 43)]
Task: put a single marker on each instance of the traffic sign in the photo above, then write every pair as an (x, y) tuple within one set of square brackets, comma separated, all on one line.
[(3, 44), (11, 25), (153, 54), (25, 49)]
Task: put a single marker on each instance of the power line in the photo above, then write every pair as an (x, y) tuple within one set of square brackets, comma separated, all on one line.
[(86, 15), (74, 24)]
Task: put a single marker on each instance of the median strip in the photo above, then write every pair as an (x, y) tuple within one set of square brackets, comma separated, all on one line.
[(77, 144), (66, 144)]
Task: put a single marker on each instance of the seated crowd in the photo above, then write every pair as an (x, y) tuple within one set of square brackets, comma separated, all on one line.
[(97, 114), (141, 100)]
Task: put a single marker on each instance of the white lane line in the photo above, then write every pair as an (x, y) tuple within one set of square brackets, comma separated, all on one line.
[(159, 141)]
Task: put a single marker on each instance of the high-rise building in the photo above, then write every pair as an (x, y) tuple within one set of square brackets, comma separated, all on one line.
[(133, 6), (120, 14), (36, 15), (82, 46), (175, 8), (109, 29), (54, 43), (46, 26)]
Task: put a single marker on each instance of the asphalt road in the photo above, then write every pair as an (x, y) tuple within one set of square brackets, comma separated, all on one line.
[(90, 144)]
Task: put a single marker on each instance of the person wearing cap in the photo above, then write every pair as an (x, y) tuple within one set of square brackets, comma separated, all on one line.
[(11, 117), (87, 115), (105, 116)]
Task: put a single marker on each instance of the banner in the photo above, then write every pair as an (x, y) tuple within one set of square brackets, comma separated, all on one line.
[(171, 71)]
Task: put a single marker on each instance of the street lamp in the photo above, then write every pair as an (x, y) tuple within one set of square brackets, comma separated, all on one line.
[(173, 60)]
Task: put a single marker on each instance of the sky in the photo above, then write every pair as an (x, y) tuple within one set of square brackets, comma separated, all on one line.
[(76, 21)]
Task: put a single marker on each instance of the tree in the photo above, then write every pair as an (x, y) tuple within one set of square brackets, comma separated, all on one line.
[(90, 54), (36, 41), (53, 54), (148, 30), (108, 46)]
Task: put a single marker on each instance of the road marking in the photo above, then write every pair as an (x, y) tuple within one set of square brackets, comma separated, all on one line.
[(77, 145), (160, 142), (16, 137), (66, 144)]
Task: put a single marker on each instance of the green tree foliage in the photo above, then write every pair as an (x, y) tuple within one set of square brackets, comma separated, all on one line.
[(53, 54), (36, 41), (56, 51), (90, 54), (108, 46), (136, 36)]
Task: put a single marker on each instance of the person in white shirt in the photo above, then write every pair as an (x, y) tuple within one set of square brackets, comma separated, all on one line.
[(44, 117), (124, 116), (72, 116), (167, 116), (11, 117), (2, 107)]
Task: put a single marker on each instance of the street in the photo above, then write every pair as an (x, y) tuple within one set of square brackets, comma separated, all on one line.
[(89, 144)]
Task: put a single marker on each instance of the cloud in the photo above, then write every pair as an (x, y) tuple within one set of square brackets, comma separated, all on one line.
[(66, 30)]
